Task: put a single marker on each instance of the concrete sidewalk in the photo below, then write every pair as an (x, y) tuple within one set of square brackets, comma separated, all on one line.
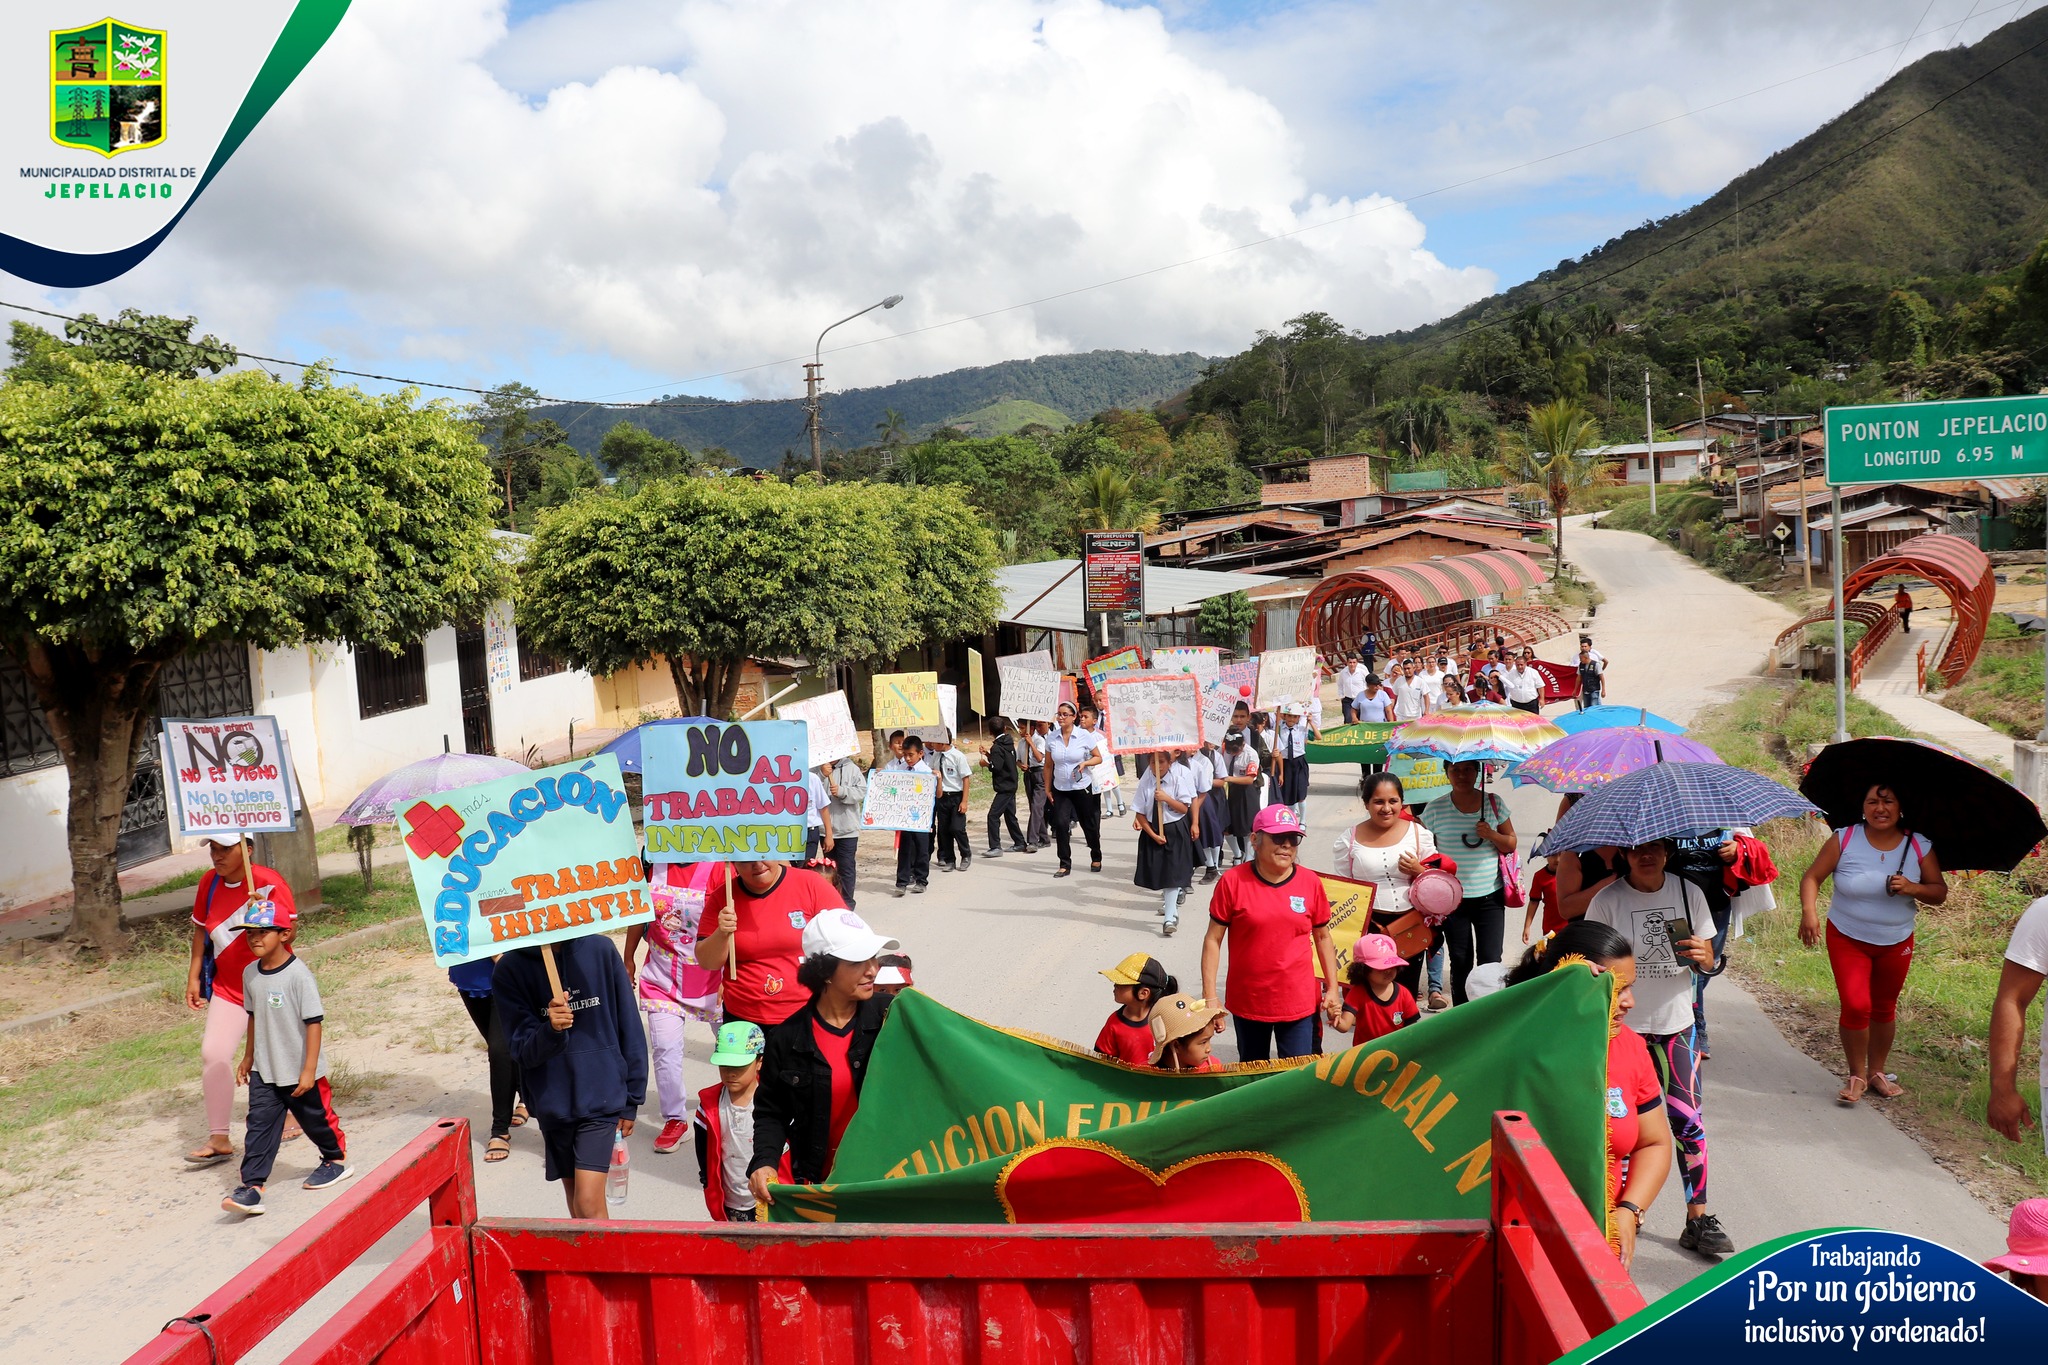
[(1891, 683)]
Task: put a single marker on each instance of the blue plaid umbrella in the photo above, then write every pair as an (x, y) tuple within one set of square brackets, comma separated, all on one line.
[(1666, 800)]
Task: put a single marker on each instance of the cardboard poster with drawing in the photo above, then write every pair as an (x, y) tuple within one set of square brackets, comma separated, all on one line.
[(1286, 675), (1350, 915), (829, 720), (1128, 659), (1155, 713), (1029, 693), (906, 699), (725, 791), (524, 860), (229, 776), (900, 800)]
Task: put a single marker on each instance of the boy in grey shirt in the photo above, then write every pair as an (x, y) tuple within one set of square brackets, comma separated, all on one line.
[(281, 1062)]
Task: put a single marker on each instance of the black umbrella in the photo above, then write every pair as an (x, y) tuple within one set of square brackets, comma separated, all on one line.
[(1974, 818)]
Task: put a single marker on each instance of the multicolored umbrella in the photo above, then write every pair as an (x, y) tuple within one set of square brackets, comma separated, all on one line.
[(1611, 717), (1363, 741), (1976, 820), (1666, 800), (380, 802), (1583, 761), (1475, 734)]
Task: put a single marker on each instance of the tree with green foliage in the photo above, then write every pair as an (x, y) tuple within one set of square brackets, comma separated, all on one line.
[(1013, 480), (949, 563), (1550, 457), (634, 455), (145, 515), (164, 345), (1206, 471), (1227, 621), (1904, 325), (891, 430), (1106, 499)]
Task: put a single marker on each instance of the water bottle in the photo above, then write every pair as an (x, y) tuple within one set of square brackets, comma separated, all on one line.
[(615, 1179)]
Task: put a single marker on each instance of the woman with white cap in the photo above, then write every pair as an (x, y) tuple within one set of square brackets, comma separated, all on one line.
[(213, 980), (817, 1059)]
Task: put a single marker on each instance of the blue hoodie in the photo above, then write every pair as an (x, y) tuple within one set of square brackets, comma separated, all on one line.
[(595, 1069)]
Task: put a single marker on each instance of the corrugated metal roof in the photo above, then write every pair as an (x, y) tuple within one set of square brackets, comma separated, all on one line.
[(1167, 591)]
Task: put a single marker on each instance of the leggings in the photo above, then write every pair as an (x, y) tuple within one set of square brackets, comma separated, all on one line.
[(504, 1070), (226, 1025), (1868, 977), (1677, 1061), (1084, 807)]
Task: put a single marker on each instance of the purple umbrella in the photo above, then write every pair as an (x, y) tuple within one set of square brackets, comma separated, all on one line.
[(1590, 758), (380, 802)]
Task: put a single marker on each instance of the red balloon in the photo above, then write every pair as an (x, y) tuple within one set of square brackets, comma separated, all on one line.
[(1244, 689)]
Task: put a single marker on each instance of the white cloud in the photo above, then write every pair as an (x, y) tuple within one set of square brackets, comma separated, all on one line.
[(434, 191)]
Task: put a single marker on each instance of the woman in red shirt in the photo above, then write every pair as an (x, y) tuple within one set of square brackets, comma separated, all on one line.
[(1275, 919), (762, 925), (217, 908), (1638, 1131)]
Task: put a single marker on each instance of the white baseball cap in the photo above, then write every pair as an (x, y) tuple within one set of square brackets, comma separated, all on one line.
[(224, 840), (846, 936)]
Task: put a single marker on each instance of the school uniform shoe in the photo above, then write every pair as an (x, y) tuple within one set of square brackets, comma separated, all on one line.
[(1210, 875), (966, 863), (1704, 1235), (1017, 848), (672, 1134), (917, 890), (945, 867), (900, 890), (246, 1200), (992, 853), (326, 1174), (1166, 929)]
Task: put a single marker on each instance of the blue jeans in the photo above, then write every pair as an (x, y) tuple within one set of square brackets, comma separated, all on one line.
[(1256, 1038)]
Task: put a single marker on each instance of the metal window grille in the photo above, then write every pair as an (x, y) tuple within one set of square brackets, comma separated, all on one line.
[(535, 664), (390, 682), (25, 743)]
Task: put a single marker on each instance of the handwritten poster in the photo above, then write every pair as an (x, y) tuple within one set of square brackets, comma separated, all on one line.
[(229, 776), (977, 699), (949, 710), (1040, 659), (1204, 661), (1099, 668), (830, 721), (900, 800), (725, 791), (1350, 915), (1286, 675), (1029, 693), (532, 858), (1155, 713), (1218, 706), (906, 699)]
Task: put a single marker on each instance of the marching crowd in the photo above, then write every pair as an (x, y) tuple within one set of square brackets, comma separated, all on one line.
[(797, 1012)]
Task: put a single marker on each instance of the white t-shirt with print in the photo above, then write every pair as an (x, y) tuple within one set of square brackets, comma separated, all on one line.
[(1663, 988), (2029, 948)]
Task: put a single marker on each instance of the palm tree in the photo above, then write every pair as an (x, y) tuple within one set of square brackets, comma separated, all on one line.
[(1550, 457), (1106, 500), (890, 429)]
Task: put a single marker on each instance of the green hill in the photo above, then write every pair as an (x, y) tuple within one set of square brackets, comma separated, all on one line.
[(1041, 390), (1009, 417)]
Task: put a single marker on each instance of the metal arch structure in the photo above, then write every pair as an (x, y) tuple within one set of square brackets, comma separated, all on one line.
[(1415, 602), (1950, 563)]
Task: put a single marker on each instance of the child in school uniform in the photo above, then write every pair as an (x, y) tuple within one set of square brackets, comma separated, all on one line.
[(1182, 1030), (1375, 1003), (281, 1062), (725, 1124), (1126, 1035)]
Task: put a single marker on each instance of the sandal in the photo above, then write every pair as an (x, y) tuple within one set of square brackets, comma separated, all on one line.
[(497, 1149), (207, 1156), (519, 1116), (1852, 1091), (1884, 1087)]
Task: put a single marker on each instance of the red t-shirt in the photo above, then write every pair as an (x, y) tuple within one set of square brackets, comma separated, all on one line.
[(1125, 1041), (1377, 1018), (1543, 890), (1632, 1090), (216, 906), (833, 1045), (1272, 942), (770, 943)]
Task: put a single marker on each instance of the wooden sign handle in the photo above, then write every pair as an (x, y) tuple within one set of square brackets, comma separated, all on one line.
[(732, 949), (547, 957)]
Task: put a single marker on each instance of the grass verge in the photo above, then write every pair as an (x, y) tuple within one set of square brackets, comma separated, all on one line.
[(2003, 690), (1945, 1013)]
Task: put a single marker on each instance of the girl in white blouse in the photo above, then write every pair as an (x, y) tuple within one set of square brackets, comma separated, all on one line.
[(1386, 850)]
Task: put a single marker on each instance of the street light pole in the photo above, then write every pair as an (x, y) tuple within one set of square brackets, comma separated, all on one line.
[(814, 377)]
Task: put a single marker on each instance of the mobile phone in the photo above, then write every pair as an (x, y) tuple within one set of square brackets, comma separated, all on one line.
[(1680, 933)]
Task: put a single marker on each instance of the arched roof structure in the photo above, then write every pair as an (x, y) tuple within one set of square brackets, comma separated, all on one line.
[(1951, 563), (1338, 611)]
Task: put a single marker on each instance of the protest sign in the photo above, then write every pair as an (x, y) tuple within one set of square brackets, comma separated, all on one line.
[(1155, 713), (977, 698), (1218, 705), (906, 699), (1040, 659), (1028, 693), (1116, 661), (1241, 679), (229, 776), (1350, 916), (829, 721), (529, 859), (949, 710), (1286, 675), (900, 800), (1204, 661), (725, 792)]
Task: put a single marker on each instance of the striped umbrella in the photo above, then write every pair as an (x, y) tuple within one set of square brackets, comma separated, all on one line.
[(1581, 762), (1666, 800), (1475, 734)]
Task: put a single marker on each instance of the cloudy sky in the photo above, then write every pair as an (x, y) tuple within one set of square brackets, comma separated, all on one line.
[(639, 197)]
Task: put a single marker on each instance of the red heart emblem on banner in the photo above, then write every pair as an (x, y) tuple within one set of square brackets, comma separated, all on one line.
[(1085, 1182)]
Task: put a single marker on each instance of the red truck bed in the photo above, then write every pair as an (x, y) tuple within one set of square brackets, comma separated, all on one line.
[(1523, 1288)]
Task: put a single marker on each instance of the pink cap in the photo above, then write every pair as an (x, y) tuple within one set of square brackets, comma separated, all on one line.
[(2026, 1240), (1377, 950), (1277, 820)]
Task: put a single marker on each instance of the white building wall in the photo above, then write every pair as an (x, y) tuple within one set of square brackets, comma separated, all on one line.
[(36, 861)]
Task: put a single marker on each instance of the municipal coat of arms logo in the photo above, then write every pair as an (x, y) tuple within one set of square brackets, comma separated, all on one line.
[(107, 87)]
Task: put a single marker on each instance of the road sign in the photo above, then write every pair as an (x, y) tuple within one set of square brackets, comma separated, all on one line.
[(1113, 571), (1782, 531), (1998, 438)]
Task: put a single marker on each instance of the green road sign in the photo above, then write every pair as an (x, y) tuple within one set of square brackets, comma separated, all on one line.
[(1969, 438)]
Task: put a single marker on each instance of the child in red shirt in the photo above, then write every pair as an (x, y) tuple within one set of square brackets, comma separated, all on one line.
[(1375, 1004), (1182, 1028), (1126, 1036), (1543, 897)]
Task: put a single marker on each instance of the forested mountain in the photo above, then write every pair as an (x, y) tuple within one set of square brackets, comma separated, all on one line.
[(1072, 386)]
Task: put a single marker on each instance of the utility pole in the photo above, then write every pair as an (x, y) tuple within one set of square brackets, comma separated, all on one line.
[(1699, 378), (1650, 440), (811, 381)]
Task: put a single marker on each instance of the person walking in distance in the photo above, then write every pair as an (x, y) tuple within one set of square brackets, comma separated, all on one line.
[(213, 983), (846, 786), (1351, 680), (1239, 768), (1589, 679), (1003, 774), (1290, 759), (1071, 755), (1036, 784), (1902, 603), (1524, 685), (949, 814), (1275, 919), (913, 847)]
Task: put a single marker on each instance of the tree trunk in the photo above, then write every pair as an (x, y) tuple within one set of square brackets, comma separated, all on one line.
[(706, 687), (95, 708)]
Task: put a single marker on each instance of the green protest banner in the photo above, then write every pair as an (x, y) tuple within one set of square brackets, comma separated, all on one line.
[(529, 859), (960, 1122)]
